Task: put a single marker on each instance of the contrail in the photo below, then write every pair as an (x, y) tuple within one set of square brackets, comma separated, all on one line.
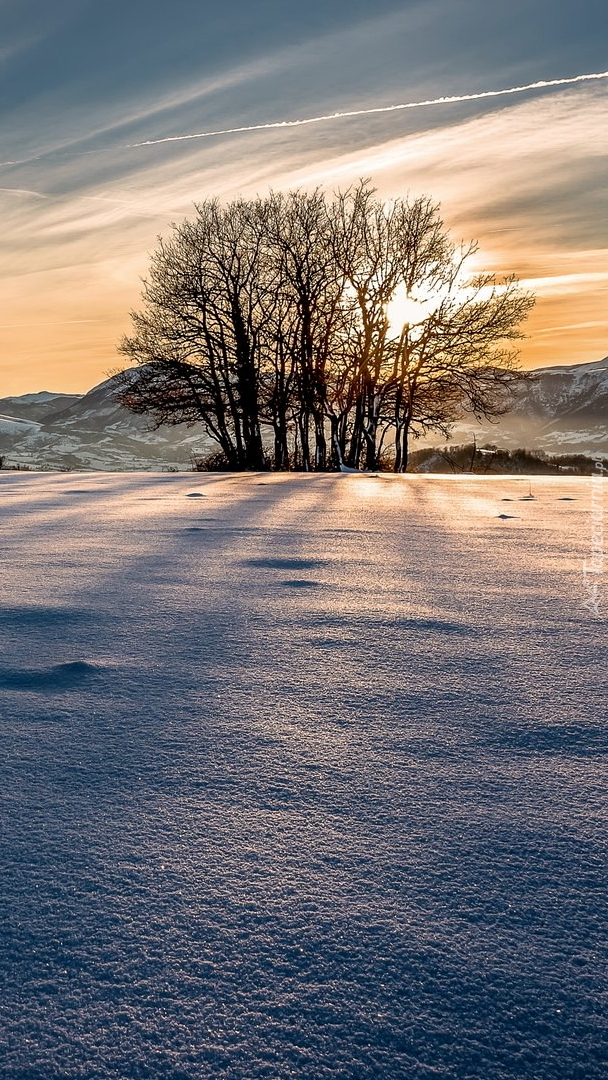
[(540, 85)]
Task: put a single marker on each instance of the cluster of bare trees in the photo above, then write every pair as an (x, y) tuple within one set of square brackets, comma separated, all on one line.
[(269, 321)]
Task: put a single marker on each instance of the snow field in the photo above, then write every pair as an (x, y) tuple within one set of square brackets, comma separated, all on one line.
[(301, 777)]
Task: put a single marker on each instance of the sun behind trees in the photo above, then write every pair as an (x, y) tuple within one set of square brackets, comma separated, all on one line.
[(309, 333)]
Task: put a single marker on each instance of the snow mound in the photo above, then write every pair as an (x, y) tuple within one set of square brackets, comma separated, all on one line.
[(59, 677)]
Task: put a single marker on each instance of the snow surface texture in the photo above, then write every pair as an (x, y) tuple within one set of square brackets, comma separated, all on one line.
[(301, 777)]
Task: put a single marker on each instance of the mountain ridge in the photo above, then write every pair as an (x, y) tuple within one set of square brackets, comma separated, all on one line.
[(563, 409)]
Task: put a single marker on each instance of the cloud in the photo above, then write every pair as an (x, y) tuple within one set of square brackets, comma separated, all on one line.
[(90, 120), (562, 284), (22, 191), (11, 49), (527, 179), (542, 84), (526, 176), (529, 166), (511, 164)]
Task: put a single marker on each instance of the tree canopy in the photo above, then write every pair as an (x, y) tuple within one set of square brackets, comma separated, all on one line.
[(317, 333)]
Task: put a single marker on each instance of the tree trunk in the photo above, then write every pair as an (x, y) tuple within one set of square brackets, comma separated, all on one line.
[(404, 446), (320, 444)]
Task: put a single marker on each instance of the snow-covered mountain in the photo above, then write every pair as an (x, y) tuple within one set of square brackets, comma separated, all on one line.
[(564, 409), (37, 406), (91, 431)]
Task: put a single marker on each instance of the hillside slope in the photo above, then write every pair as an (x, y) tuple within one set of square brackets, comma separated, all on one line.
[(563, 410)]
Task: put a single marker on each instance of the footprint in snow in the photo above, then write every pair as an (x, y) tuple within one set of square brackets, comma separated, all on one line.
[(434, 626), (300, 583), (285, 563)]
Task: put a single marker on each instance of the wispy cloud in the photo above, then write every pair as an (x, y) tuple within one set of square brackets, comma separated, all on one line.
[(560, 284), (541, 84), (53, 322), (14, 48), (511, 168), (23, 192), (593, 324), (526, 178), (199, 91), (505, 169), (147, 106)]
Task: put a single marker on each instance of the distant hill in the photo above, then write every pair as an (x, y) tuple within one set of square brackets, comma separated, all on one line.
[(563, 410), (36, 406), (91, 431)]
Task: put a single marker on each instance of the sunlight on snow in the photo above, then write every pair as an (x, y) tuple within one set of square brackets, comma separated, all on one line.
[(296, 764)]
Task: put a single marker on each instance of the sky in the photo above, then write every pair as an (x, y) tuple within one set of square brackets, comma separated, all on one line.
[(99, 102)]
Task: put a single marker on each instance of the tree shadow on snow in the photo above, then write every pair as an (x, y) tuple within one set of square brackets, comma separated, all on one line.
[(571, 739), (44, 617)]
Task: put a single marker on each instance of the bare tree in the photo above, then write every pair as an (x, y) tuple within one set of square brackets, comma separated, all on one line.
[(379, 249), (198, 337), (273, 316), (311, 327), (457, 358)]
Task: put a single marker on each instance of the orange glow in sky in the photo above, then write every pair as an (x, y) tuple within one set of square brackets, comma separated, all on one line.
[(87, 188)]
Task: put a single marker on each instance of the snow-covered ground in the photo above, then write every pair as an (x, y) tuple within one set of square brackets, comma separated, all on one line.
[(301, 777)]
